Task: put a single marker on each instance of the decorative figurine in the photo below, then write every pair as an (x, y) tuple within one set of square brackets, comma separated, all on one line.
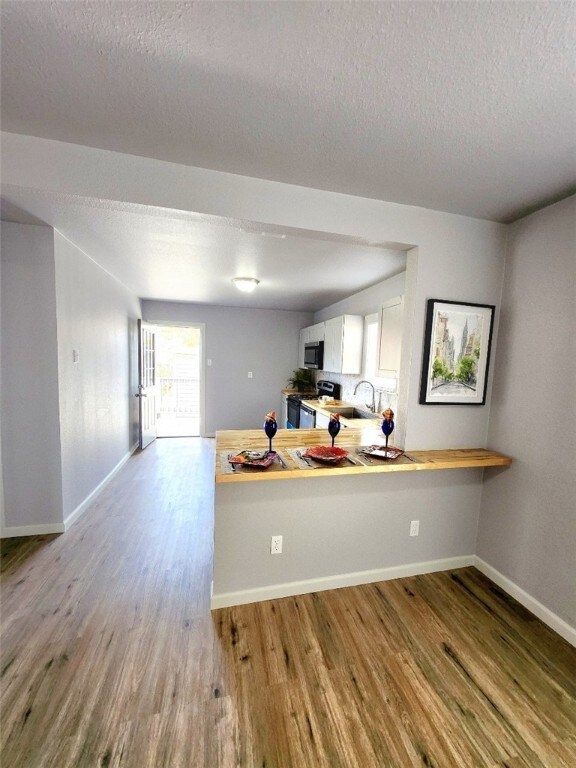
[(388, 424), (270, 427), (334, 426)]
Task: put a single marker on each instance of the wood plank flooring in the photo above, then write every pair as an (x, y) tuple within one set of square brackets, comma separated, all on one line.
[(110, 656)]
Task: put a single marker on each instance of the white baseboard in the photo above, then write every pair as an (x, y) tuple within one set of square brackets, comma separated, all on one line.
[(534, 606), (274, 591), (81, 508), (31, 530), (45, 528)]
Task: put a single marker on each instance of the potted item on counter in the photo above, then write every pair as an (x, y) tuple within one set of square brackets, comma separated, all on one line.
[(302, 380)]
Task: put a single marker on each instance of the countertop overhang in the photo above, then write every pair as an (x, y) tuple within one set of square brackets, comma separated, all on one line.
[(233, 441)]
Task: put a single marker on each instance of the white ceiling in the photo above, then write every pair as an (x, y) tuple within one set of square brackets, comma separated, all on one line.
[(467, 107), (179, 256)]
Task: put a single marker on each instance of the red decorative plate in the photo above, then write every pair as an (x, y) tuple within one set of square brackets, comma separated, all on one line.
[(326, 453)]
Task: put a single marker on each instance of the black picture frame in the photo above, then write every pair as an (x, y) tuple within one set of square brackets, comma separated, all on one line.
[(456, 355)]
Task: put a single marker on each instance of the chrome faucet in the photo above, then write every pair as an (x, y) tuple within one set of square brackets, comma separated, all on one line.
[(365, 381)]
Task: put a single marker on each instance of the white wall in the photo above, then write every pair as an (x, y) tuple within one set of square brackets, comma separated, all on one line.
[(365, 302), (65, 426), (2, 521), (31, 460), (527, 529), (263, 341), (97, 317)]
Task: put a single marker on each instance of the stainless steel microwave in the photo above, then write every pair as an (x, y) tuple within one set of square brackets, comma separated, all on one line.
[(314, 354)]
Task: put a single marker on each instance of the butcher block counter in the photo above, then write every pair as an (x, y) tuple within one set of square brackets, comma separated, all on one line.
[(288, 442)]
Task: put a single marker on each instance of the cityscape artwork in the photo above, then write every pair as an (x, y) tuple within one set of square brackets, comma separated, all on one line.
[(456, 353)]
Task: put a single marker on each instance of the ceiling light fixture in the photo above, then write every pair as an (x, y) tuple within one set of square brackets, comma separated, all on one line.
[(245, 284)]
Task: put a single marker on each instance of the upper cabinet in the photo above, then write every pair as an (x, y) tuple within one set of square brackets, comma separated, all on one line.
[(316, 332), (390, 337), (311, 333), (343, 344), (303, 340)]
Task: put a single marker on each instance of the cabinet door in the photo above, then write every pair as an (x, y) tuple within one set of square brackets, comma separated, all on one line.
[(301, 343), (333, 344), (352, 336), (322, 421), (316, 332), (390, 337)]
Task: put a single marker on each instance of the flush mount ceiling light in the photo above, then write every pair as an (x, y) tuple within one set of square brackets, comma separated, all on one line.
[(245, 284)]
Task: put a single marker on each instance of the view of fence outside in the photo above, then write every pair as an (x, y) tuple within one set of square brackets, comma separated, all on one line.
[(178, 381)]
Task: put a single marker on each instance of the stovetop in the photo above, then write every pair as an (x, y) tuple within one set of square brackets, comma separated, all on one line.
[(330, 388)]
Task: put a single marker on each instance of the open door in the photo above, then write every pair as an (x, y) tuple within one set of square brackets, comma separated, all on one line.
[(147, 384)]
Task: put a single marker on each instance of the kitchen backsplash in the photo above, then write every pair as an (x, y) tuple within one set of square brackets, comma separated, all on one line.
[(384, 397)]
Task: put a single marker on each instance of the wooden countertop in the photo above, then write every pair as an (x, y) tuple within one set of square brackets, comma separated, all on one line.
[(233, 441)]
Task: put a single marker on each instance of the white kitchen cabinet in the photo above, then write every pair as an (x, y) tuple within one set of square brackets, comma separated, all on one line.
[(322, 420), (310, 333), (343, 344), (304, 338), (316, 332), (390, 337)]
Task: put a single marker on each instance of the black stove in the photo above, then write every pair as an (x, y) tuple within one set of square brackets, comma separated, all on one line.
[(298, 397), (329, 388)]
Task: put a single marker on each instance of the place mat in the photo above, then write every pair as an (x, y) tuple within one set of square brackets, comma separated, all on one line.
[(307, 463), (371, 461), (239, 469)]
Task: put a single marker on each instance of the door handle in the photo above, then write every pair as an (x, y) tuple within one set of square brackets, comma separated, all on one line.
[(138, 394)]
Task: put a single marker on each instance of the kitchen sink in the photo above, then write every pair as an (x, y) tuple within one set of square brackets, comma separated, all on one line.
[(350, 412)]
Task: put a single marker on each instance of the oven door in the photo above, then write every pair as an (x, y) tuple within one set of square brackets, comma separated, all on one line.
[(307, 417), (293, 407)]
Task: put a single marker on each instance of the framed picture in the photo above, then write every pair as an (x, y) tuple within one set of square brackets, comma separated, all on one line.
[(456, 353)]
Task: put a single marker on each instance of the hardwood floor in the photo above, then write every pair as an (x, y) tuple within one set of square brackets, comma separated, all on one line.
[(110, 656)]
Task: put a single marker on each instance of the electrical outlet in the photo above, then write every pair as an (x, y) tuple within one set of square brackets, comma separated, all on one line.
[(414, 527), (276, 545), (250, 375)]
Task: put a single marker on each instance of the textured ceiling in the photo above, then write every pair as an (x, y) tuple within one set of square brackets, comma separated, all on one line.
[(159, 253), (466, 107)]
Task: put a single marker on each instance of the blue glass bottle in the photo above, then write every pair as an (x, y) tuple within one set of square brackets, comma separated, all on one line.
[(388, 424), (333, 428), (270, 427)]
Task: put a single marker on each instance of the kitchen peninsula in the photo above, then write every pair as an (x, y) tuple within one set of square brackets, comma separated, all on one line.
[(341, 525)]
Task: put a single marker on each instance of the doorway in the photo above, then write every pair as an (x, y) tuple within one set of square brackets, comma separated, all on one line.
[(179, 381)]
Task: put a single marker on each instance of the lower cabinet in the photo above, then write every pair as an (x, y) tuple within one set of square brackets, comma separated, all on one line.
[(322, 421)]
